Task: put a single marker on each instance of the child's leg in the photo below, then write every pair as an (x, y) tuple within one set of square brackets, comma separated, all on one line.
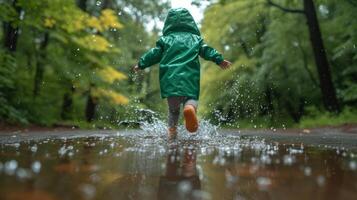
[(189, 113), (192, 102), (174, 113)]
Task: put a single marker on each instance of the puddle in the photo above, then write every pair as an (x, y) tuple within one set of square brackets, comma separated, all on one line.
[(145, 166)]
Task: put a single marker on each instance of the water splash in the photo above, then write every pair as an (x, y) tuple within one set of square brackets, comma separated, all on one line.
[(155, 128)]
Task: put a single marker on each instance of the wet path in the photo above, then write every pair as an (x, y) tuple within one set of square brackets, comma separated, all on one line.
[(212, 165)]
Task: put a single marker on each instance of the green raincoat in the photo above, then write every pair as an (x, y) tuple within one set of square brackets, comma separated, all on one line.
[(178, 52)]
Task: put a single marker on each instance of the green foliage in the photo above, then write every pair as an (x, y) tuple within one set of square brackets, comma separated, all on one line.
[(7, 89), (274, 78), (66, 55), (316, 118)]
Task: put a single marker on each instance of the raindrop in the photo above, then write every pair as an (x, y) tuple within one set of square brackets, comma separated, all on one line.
[(296, 151), (62, 151), (185, 187), (10, 167), (36, 167), (265, 159), (263, 183), (353, 165), (16, 145), (288, 160), (307, 171), (34, 148), (88, 191), (23, 173), (321, 180)]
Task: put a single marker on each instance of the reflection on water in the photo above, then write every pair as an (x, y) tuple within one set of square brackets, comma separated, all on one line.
[(198, 167), (180, 179)]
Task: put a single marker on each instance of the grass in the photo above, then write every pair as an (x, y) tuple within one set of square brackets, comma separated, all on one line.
[(261, 123), (313, 118), (348, 116)]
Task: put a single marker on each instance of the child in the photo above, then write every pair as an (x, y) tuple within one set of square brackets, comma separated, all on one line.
[(177, 52)]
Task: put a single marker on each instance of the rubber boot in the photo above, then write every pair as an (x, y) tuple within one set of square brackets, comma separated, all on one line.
[(191, 122)]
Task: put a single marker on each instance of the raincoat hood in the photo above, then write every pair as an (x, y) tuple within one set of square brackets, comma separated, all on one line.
[(180, 20)]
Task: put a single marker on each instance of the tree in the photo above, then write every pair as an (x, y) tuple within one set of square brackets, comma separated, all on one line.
[(328, 90), (11, 29)]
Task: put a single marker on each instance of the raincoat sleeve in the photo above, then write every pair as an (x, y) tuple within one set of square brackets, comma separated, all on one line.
[(152, 57), (211, 54)]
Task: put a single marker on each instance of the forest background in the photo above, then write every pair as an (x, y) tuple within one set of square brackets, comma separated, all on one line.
[(68, 63)]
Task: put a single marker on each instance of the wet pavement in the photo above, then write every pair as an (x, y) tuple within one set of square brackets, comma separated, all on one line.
[(215, 164)]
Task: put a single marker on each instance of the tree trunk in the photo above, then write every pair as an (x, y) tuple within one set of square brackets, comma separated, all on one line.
[(268, 108), (10, 38), (326, 85), (107, 4), (11, 33), (82, 4), (67, 103), (296, 112), (40, 64), (90, 107)]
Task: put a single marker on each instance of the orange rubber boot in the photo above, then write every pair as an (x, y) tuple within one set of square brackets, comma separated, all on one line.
[(191, 122)]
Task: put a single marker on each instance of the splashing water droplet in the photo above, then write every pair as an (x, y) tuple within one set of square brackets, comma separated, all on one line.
[(88, 191), (36, 167), (288, 160), (185, 187), (10, 167), (307, 171), (34, 148), (263, 183), (321, 180), (22, 173), (353, 165)]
